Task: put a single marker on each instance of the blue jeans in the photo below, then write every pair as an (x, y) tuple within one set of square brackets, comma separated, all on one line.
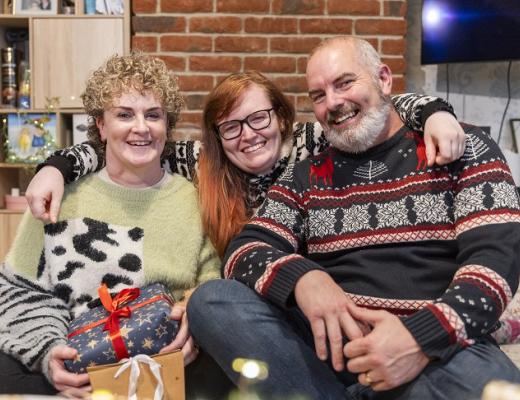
[(229, 320)]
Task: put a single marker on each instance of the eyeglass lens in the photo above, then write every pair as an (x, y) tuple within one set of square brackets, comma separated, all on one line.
[(257, 120)]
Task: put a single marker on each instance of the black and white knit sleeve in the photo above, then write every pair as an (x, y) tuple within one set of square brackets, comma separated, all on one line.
[(32, 320), (487, 220), (183, 158), (82, 159), (413, 109), (264, 255)]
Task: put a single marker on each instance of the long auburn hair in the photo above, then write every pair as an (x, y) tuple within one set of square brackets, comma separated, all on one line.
[(222, 186)]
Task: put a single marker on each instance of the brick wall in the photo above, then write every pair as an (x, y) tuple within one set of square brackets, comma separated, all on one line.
[(204, 40)]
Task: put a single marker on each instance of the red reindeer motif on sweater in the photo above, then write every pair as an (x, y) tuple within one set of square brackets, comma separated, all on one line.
[(324, 171), (420, 151)]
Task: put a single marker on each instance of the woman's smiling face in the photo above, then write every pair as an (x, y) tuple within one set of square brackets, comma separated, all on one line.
[(254, 151)]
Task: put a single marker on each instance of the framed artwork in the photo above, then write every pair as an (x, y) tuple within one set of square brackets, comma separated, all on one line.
[(31, 138), (35, 7), (515, 130)]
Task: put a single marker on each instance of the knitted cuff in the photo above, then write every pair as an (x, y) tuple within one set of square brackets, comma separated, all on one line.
[(430, 334), (434, 106), (62, 163), (281, 289)]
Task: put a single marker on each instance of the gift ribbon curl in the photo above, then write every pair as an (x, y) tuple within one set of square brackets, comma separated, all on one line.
[(117, 309), (133, 364)]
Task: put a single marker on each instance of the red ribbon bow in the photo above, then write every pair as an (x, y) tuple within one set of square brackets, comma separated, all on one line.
[(115, 306)]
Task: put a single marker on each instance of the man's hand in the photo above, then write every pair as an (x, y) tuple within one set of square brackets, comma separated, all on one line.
[(44, 194), (324, 304), (183, 339), (68, 383), (444, 138), (388, 356)]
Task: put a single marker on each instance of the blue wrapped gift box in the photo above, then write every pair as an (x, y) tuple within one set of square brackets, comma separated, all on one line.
[(146, 330)]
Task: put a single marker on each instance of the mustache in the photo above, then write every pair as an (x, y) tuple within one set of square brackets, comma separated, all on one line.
[(345, 110)]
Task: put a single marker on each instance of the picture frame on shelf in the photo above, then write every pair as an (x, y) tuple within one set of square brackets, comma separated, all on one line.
[(515, 131), (79, 128), (31, 137), (35, 7)]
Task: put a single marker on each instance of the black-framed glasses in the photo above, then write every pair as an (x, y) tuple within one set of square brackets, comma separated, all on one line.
[(258, 120)]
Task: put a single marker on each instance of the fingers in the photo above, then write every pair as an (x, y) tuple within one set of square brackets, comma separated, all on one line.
[(320, 338), (75, 393), (177, 312), (54, 208), (190, 351), (64, 380), (431, 150), (183, 335), (335, 338)]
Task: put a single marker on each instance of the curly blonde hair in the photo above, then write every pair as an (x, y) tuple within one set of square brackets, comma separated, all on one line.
[(120, 74)]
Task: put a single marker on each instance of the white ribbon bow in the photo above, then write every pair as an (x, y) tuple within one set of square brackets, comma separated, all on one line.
[(133, 363)]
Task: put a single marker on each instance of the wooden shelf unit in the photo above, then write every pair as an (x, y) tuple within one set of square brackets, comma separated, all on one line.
[(63, 51)]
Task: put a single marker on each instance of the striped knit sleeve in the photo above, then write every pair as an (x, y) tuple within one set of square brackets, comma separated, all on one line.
[(263, 255), (487, 220), (32, 320)]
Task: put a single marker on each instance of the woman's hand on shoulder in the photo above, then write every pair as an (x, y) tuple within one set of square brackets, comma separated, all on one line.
[(183, 340), (444, 138), (67, 383), (44, 194)]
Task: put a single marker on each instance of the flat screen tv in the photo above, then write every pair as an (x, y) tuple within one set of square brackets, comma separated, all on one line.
[(470, 30)]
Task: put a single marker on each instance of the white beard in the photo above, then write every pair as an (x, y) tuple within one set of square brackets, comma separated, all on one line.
[(365, 133)]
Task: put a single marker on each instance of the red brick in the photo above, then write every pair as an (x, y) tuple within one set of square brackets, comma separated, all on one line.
[(398, 84), (215, 63), (181, 6), (241, 44), (144, 6), (158, 24), (293, 45), (196, 83), (303, 103), (291, 83), (354, 7), (194, 101), (270, 64), (190, 119), (380, 27), (243, 6), (395, 8), (296, 7), (305, 117), (391, 46), (302, 64), (397, 65), (174, 63), (271, 25), (148, 44), (326, 25), (215, 24), (186, 43)]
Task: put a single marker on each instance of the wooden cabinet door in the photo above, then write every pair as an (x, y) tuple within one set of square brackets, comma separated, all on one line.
[(8, 226), (64, 53)]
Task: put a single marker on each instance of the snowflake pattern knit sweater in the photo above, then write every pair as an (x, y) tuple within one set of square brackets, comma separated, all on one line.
[(437, 246)]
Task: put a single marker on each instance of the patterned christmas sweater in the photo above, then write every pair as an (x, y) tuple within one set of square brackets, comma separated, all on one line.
[(105, 234), (307, 139), (440, 246)]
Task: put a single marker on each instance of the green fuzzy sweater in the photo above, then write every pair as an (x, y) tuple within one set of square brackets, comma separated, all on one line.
[(105, 234)]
